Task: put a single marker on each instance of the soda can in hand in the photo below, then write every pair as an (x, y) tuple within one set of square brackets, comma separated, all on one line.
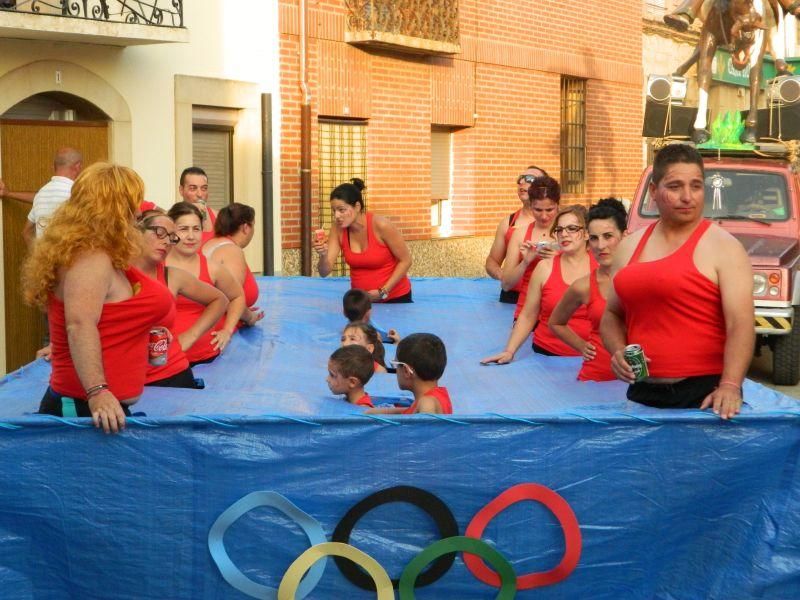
[(319, 235), (158, 346), (634, 356)]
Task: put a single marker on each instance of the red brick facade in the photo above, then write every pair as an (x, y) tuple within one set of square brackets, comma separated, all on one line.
[(501, 95)]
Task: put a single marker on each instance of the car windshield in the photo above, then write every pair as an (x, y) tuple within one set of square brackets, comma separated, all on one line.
[(739, 195)]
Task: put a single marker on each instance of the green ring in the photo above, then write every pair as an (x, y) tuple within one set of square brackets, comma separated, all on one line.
[(459, 543)]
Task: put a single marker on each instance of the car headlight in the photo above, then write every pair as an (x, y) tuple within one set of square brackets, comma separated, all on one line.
[(759, 284)]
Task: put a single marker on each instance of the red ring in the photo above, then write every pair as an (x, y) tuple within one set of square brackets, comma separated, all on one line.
[(566, 518)]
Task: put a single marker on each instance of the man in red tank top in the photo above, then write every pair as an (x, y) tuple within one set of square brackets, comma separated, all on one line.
[(683, 291)]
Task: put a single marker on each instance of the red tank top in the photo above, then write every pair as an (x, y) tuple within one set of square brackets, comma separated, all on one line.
[(599, 368), (250, 288), (371, 268), (552, 291), (124, 329), (189, 311), (512, 218), (673, 311), (442, 395), (176, 357), (207, 235), (522, 284)]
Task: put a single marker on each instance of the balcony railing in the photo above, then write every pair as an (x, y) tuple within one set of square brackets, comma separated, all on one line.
[(163, 13), (418, 26)]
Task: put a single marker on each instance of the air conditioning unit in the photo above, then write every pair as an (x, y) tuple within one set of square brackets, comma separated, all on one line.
[(666, 89)]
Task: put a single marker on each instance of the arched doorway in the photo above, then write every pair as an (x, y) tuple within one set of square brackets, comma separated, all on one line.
[(31, 132)]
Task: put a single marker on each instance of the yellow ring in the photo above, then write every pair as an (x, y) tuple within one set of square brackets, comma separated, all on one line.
[(291, 579)]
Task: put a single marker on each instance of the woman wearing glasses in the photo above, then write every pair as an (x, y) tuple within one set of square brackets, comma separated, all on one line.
[(520, 219), (158, 237), (186, 255), (549, 281), (606, 227), (530, 244), (100, 309)]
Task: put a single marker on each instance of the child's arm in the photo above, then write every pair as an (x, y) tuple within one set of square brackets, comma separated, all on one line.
[(393, 336), (429, 404), (386, 410)]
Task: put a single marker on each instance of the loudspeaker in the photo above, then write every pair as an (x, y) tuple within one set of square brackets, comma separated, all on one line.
[(681, 121), (785, 122)]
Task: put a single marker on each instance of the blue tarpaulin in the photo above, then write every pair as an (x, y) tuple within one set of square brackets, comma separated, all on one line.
[(670, 504)]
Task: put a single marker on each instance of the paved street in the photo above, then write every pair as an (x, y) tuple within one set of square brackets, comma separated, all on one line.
[(761, 370)]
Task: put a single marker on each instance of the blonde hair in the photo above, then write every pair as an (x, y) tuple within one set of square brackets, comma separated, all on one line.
[(578, 210), (97, 217)]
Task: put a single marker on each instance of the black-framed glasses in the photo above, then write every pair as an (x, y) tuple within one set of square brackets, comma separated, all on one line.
[(162, 233), (571, 229)]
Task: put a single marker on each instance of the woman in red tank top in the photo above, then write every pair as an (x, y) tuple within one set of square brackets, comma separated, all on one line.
[(373, 248), (606, 224), (100, 309), (233, 231), (523, 253), (158, 236), (519, 219), (550, 280), (186, 255)]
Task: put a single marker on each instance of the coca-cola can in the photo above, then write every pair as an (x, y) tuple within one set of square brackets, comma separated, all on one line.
[(158, 346)]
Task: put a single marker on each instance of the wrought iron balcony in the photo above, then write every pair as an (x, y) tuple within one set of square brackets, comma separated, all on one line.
[(418, 26), (117, 22)]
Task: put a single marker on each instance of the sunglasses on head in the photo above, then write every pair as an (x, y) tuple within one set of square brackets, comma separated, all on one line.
[(527, 178)]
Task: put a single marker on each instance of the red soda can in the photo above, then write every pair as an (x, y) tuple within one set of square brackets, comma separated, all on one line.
[(158, 346)]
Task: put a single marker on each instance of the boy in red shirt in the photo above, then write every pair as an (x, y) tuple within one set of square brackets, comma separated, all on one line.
[(349, 370), (421, 359)]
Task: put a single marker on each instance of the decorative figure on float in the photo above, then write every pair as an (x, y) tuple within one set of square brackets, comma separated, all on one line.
[(741, 26)]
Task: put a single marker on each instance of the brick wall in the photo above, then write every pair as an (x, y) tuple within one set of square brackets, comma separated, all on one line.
[(501, 95)]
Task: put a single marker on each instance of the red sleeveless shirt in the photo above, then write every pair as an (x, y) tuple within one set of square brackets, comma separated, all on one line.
[(552, 291), (522, 284), (176, 357), (124, 329), (207, 235), (441, 394), (599, 368), (188, 313), (673, 311), (371, 268)]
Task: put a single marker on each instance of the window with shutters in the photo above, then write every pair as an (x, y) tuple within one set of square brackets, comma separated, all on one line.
[(212, 152), (441, 177), (342, 156), (573, 135)]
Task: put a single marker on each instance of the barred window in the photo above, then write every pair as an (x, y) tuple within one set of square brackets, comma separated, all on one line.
[(342, 156), (573, 135)]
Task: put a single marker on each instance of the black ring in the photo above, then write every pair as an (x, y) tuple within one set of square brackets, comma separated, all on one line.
[(438, 511)]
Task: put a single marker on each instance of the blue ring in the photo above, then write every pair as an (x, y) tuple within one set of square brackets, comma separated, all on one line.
[(229, 571)]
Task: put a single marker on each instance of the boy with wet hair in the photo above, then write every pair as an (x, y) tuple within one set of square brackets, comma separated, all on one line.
[(357, 308), (349, 369), (421, 360)]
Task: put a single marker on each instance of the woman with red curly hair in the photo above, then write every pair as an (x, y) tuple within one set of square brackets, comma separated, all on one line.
[(100, 309)]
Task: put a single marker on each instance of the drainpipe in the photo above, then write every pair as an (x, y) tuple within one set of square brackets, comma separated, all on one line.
[(268, 223), (305, 147)]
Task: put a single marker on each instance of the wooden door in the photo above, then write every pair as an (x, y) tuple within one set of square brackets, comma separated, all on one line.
[(27, 149)]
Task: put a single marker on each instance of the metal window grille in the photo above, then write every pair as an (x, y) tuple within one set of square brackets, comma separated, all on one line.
[(573, 135), (342, 156)]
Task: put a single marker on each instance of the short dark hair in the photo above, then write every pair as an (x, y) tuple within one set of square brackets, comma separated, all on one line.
[(350, 192), (355, 304), (231, 217), (379, 352), (192, 171), (609, 208), (181, 209), (545, 187), (425, 353), (674, 154), (354, 361)]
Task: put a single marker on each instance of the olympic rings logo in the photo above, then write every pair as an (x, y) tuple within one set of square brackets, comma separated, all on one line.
[(362, 570)]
